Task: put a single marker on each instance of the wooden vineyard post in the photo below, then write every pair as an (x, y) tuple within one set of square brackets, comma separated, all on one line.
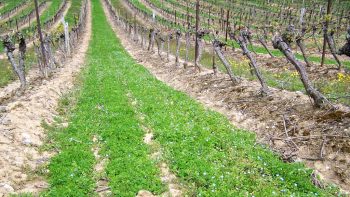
[(209, 17), (188, 37), (227, 25), (66, 36), (178, 43), (135, 29), (44, 66)]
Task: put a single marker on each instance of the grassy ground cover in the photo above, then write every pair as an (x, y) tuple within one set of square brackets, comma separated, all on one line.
[(102, 109), (209, 155), (9, 5), (206, 152), (72, 16)]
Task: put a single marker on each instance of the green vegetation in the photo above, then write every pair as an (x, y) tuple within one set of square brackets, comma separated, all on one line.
[(72, 16), (10, 5), (210, 157), (6, 73), (31, 59), (17, 17), (102, 109), (44, 17)]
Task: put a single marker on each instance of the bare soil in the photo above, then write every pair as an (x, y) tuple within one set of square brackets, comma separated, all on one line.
[(20, 124), (286, 121)]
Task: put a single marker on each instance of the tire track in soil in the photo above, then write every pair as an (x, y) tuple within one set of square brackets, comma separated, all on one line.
[(102, 188), (241, 105), (167, 177), (20, 125)]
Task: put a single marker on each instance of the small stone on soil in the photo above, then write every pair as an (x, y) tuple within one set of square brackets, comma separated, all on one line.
[(6, 188), (144, 193), (3, 109)]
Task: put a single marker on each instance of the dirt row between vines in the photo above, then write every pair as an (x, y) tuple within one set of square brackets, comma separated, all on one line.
[(286, 121), (20, 124)]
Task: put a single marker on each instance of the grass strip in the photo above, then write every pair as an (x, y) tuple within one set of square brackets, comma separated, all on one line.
[(102, 109), (10, 5)]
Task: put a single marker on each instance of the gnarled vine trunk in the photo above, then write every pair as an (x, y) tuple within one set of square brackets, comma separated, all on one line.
[(263, 43), (218, 49), (188, 39), (160, 44), (178, 43), (241, 41), (19, 68), (318, 98), (151, 39), (169, 38)]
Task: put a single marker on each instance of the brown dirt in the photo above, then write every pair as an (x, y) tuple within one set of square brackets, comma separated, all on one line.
[(20, 125), (309, 130), (102, 188)]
